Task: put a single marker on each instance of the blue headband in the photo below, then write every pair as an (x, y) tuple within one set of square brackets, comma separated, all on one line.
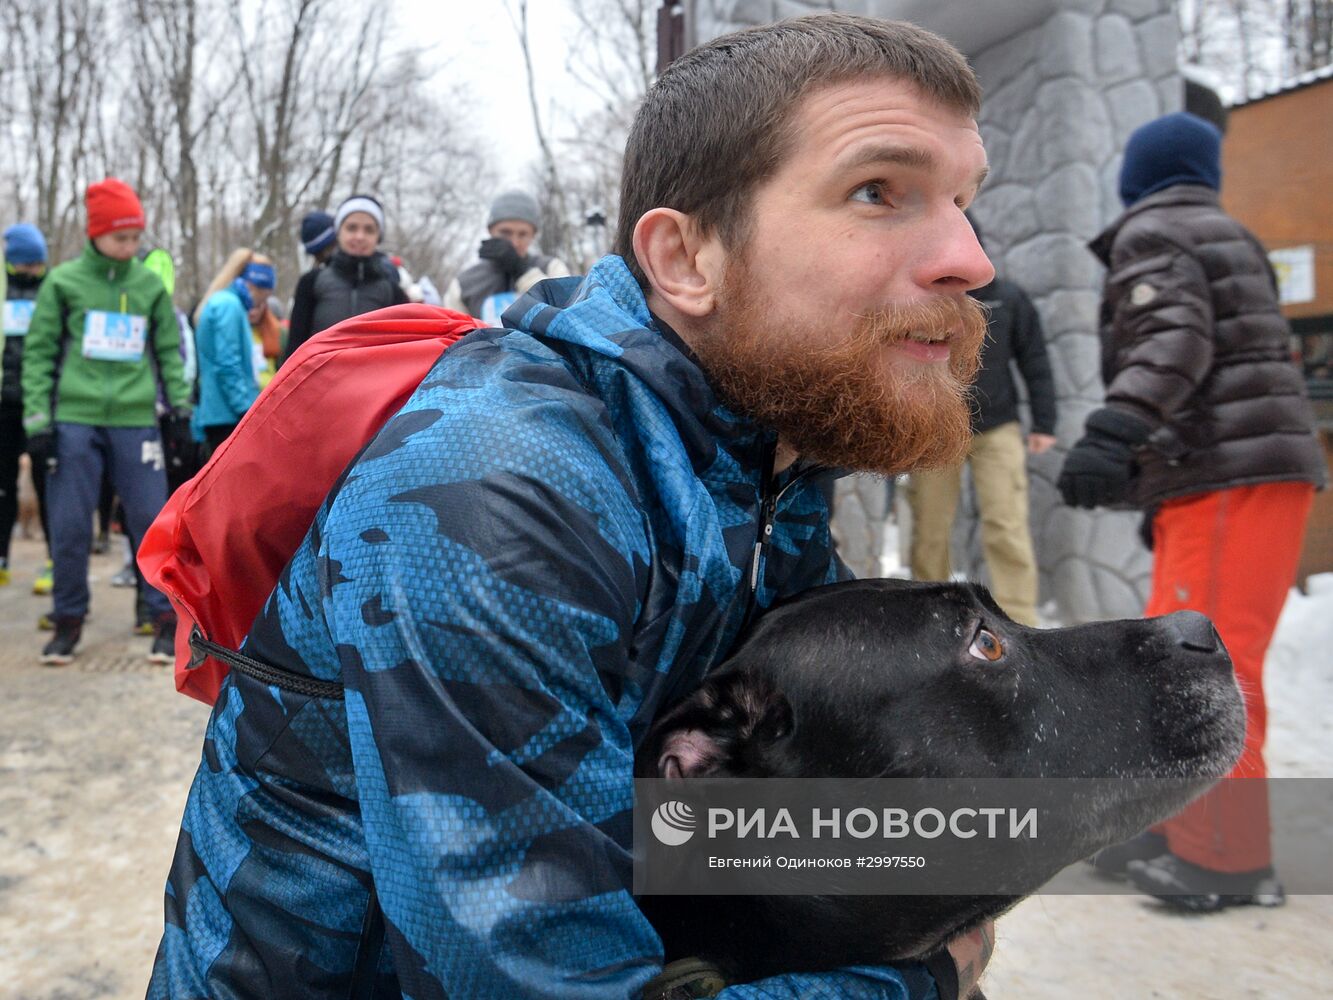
[(260, 275)]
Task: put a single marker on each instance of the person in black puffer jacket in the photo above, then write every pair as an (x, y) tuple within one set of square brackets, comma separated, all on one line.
[(1207, 427), (997, 457), (25, 269), (357, 278)]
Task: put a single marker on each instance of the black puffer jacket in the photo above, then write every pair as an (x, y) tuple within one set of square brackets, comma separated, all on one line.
[(18, 286), (346, 286), (1013, 333), (1193, 341)]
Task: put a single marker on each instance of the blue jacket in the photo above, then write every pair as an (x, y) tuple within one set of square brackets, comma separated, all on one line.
[(551, 539), (227, 384)]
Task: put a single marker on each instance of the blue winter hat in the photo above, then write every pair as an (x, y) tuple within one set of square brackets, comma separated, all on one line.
[(1178, 148), (317, 232), (260, 275), (25, 244)]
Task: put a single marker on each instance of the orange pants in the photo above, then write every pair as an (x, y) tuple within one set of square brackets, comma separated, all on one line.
[(1232, 555)]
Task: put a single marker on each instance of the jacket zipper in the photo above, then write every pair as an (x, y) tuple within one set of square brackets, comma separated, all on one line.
[(768, 509)]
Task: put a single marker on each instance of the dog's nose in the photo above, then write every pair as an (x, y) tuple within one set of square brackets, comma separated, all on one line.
[(1193, 631)]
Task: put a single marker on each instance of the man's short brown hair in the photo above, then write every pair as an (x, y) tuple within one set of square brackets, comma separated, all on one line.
[(719, 121)]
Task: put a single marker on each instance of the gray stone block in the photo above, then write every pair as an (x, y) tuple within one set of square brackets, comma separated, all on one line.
[(997, 143), (1131, 105), (1008, 102), (1006, 214), (1117, 49), (1025, 160), (1076, 362), (1171, 93), (860, 512), (1072, 311), (998, 64), (1075, 127), (1111, 205), (1158, 37), (1066, 46), (1138, 10), (1050, 261), (1070, 199)]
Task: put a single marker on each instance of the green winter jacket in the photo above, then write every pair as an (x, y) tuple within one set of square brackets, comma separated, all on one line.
[(91, 390)]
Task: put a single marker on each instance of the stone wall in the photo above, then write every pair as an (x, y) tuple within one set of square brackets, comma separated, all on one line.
[(1061, 99), (1062, 95)]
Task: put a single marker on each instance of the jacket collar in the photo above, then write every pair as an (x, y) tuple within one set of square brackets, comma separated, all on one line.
[(605, 314), (1177, 194), (114, 270), (360, 270)]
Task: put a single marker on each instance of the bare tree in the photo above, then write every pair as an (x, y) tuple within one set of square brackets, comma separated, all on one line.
[(1255, 44), (48, 46), (612, 58)]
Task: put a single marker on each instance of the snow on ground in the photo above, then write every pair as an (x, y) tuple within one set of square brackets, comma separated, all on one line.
[(1298, 680)]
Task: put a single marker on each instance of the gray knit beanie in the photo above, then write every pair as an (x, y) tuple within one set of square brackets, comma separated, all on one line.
[(518, 205)]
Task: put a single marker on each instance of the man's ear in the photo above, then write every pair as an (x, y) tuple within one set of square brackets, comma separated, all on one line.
[(715, 730), (682, 266)]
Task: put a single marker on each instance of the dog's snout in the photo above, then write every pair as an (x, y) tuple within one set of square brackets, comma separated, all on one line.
[(1193, 631)]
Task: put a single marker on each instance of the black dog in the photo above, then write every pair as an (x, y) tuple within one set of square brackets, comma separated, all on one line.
[(884, 678)]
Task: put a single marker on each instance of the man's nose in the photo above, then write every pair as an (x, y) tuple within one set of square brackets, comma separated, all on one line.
[(959, 264)]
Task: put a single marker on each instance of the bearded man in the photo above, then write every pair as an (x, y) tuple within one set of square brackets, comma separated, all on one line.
[(568, 526)]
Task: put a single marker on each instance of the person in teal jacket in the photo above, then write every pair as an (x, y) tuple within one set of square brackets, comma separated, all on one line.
[(427, 791), (102, 341), (224, 349)]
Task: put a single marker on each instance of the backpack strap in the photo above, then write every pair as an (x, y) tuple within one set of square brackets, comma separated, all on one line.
[(365, 968), (264, 673)]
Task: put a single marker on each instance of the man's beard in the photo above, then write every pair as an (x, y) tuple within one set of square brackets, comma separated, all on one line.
[(846, 404)]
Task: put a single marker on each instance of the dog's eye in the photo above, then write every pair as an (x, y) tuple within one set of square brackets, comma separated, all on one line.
[(986, 646)]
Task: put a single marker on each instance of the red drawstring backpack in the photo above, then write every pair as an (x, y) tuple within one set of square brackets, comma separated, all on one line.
[(223, 538)]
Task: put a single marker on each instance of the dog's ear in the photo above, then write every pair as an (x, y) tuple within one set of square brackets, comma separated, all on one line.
[(719, 728)]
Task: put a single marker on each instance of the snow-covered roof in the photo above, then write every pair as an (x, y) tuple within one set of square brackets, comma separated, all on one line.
[(1294, 83)]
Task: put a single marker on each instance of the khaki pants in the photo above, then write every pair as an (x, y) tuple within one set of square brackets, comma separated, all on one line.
[(999, 471)]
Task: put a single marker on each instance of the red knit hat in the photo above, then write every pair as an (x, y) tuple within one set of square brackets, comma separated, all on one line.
[(112, 205)]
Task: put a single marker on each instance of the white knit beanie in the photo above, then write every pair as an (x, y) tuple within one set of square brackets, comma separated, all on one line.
[(360, 203)]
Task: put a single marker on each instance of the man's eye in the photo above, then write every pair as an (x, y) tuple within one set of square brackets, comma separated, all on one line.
[(986, 646), (871, 194)]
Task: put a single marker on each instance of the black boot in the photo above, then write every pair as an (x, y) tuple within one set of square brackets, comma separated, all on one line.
[(164, 639), (1113, 862), (1187, 886), (60, 650)]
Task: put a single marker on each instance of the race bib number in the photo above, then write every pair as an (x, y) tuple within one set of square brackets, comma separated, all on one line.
[(109, 336), (18, 316), (495, 305)]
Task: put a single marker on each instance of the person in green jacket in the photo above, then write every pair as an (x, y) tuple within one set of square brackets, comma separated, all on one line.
[(103, 339)]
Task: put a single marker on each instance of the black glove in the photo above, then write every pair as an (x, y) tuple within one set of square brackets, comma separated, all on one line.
[(42, 448), (1098, 469), (178, 444), (505, 256)]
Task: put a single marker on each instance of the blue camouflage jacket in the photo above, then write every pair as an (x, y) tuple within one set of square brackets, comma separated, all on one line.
[(555, 536)]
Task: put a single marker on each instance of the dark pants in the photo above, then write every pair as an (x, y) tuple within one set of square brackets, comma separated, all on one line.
[(12, 445), (133, 457), (215, 435)]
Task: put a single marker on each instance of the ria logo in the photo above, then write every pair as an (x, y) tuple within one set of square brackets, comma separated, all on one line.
[(673, 823)]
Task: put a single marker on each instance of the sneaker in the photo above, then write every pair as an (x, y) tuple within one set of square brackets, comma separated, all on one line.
[(4, 576), (1190, 887), (1113, 862), (143, 618), (44, 582), (60, 650), (125, 577), (45, 624), (101, 544), (164, 640)]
